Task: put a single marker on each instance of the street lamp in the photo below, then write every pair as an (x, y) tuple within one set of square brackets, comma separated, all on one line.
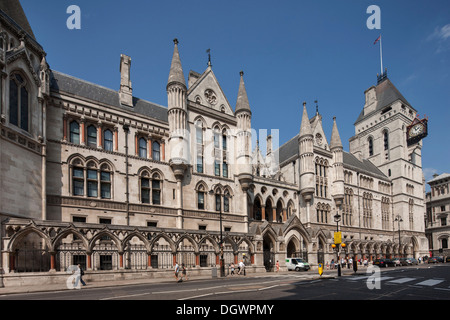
[(337, 218), (399, 219), (222, 262)]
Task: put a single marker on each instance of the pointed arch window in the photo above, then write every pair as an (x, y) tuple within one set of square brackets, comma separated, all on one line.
[(201, 193), (370, 147), (92, 136), (105, 182), (18, 102), (156, 151), (74, 132), (199, 145), (142, 148), (156, 189), (108, 140), (386, 140)]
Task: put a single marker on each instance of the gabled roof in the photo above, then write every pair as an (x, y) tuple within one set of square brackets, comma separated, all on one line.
[(14, 10), (64, 83), (386, 94)]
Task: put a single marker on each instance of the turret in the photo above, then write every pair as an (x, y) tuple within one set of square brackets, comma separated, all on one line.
[(244, 136), (337, 190), (305, 140), (176, 95)]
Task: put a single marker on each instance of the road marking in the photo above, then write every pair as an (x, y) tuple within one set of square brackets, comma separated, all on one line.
[(429, 283), (402, 280)]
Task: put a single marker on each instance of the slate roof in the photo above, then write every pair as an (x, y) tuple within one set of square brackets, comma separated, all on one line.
[(439, 177), (14, 10), (290, 149), (64, 83), (386, 94)]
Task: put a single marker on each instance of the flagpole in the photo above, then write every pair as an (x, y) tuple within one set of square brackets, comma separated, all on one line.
[(381, 55)]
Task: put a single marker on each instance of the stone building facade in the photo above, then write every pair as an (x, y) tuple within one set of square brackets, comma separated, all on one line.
[(438, 209), (127, 187)]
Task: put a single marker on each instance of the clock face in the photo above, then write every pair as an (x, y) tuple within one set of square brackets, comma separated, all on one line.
[(416, 130)]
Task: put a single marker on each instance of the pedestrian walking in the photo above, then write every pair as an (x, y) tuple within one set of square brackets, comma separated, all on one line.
[(232, 269), (278, 266), (241, 267), (81, 275), (183, 272), (177, 270)]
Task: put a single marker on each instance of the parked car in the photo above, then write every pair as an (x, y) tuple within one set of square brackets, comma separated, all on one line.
[(447, 259), (412, 261), (396, 262), (433, 260), (384, 263), (404, 262), (297, 264)]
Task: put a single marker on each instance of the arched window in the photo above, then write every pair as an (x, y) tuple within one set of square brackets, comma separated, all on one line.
[(92, 136), (108, 140), (18, 102), (156, 153), (199, 145), (224, 155), (151, 188), (370, 141), (92, 180), (156, 189), (444, 243), (74, 132), (386, 140), (142, 148), (78, 180), (201, 197), (105, 182), (145, 187), (226, 201)]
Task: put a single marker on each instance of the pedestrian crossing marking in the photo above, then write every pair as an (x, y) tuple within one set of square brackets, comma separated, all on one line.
[(402, 280), (429, 283)]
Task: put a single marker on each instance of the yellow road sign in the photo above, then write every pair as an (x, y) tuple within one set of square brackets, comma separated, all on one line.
[(337, 237), (320, 269)]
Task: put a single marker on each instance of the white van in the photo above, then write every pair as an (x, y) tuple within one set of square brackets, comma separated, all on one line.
[(297, 264)]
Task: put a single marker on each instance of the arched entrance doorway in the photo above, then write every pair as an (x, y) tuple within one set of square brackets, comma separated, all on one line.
[(269, 253)]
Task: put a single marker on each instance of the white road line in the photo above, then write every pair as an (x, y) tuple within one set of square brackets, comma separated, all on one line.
[(429, 283), (402, 280)]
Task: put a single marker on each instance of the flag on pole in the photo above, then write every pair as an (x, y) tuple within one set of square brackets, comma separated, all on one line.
[(378, 39)]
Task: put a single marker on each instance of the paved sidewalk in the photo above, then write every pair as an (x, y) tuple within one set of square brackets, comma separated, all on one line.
[(308, 275)]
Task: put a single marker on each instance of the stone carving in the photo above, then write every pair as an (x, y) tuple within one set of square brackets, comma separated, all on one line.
[(211, 96)]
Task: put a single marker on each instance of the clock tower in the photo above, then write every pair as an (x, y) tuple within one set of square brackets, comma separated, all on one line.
[(388, 133)]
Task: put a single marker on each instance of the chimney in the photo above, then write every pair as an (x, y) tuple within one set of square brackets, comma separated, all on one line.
[(126, 91), (269, 145)]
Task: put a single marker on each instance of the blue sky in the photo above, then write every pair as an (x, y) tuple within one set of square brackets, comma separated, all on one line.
[(290, 51)]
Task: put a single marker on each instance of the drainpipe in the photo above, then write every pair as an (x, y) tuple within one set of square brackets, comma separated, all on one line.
[(126, 129)]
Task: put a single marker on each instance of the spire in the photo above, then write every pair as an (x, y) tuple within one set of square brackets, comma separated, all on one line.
[(242, 103), (305, 128), (176, 70), (335, 138)]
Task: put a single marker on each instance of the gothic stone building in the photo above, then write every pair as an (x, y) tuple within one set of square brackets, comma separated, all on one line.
[(127, 187), (438, 208)]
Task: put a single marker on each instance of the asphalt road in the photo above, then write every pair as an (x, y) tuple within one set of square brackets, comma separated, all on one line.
[(407, 283)]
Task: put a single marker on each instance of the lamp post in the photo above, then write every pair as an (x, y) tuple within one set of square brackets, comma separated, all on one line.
[(399, 219), (337, 218), (222, 262)]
